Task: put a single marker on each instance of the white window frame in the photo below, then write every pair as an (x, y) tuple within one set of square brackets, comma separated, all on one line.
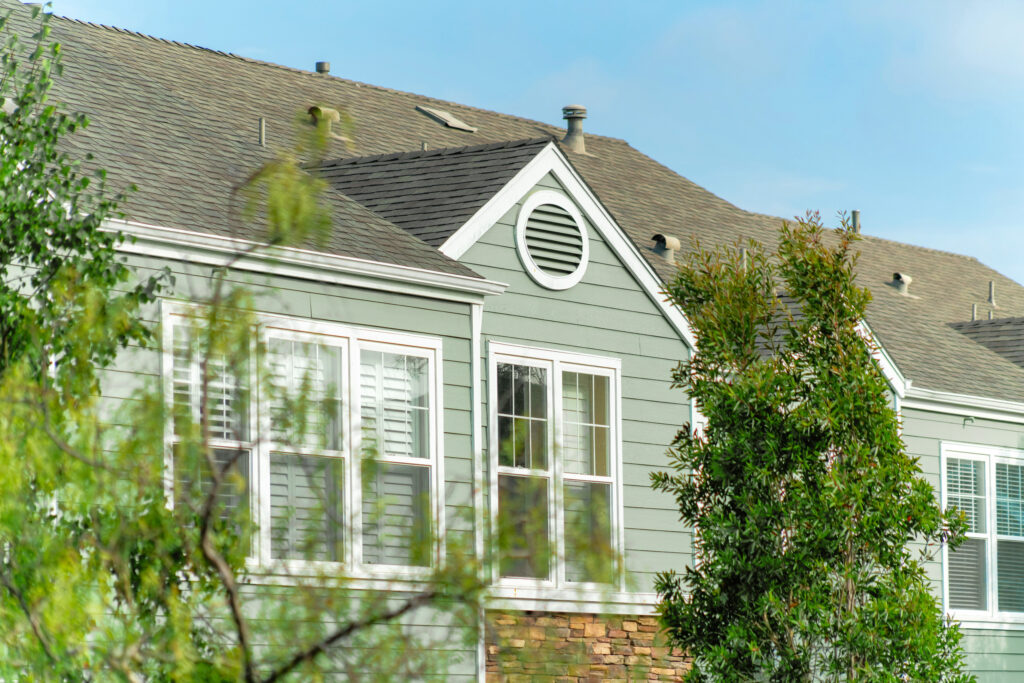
[(353, 340), (990, 456), (556, 362)]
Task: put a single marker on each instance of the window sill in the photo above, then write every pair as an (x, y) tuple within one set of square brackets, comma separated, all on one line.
[(570, 599), (295, 573), (986, 623)]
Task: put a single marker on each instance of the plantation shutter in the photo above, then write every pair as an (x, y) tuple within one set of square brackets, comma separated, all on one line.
[(1010, 523), (394, 404), (305, 394), (306, 513), (396, 515), (965, 490), (306, 490), (226, 396), (394, 411)]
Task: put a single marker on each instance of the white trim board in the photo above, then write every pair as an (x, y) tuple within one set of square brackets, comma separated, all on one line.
[(194, 247), (551, 160), (885, 362), (963, 405)]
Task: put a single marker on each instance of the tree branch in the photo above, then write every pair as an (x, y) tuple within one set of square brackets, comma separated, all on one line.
[(33, 622), (321, 646)]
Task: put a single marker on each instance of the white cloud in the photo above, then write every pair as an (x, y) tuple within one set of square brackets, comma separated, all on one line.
[(953, 48)]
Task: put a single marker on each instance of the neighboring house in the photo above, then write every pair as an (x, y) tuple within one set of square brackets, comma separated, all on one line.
[(486, 284)]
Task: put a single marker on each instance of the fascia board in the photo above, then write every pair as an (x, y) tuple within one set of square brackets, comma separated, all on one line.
[(216, 250), (963, 404), (551, 160)]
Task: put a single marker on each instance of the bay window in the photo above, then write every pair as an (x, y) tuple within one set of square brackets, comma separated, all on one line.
[(331, 436), (985, 574), (556, 447)]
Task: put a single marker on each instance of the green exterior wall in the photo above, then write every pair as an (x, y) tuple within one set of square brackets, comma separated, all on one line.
[(606, 314), (138, 370), (995, 655)]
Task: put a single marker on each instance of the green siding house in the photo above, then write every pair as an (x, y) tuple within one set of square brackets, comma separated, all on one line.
[(488, 306)]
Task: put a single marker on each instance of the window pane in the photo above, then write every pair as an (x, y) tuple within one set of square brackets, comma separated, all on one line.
[(967, 572), (305, 394), (588, 532), (193, 482), (1010, 575), (523, 534), (395, 404), (306, 513), (396, 515), (522, 416), (585, 427), (1009, 499), (965, 490), (227, 395)]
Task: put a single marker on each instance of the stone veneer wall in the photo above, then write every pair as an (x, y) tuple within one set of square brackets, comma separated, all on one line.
[(530, 646)]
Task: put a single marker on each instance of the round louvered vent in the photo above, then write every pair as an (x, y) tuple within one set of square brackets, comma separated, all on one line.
[(552, 240)]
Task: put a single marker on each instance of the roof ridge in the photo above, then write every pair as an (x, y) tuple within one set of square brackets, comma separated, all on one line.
[(358, 84), (920, 248), (437, 151), (865, 236)]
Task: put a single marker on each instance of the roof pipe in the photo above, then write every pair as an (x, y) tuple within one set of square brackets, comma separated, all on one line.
[(574, 114)]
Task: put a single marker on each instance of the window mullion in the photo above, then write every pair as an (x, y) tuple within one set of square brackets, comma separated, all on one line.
[(261, 452), (556, 449), (990, 501)]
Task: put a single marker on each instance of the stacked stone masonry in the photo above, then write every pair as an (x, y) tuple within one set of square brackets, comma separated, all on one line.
[(545, 646)]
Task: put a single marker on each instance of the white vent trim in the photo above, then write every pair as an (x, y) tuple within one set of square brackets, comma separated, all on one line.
[(539, 276)]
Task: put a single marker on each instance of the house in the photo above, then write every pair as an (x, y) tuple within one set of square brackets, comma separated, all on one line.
[(493, 280)]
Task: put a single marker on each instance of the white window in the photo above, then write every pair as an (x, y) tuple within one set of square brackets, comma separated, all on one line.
[(332, 438), (985, 575), (555, 455)]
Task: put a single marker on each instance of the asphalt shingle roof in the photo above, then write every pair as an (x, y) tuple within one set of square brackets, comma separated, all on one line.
[(431, 193), (181, 123), (1004, 336)]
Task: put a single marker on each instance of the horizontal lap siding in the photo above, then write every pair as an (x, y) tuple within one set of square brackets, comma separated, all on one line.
[(606, 314), (138, 369), (994, 655)]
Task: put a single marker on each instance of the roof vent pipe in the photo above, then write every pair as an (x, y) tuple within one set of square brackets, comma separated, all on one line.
[(666, 246), (856, 221), (323, 68), (974, 312), (902, 283), (574, 114), (325, 117), (992, 293)]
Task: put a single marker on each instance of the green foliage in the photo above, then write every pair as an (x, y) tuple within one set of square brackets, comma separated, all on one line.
[(59, 273), (104, 573), (813, 524)]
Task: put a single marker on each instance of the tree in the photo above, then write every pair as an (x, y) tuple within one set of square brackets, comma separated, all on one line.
[(103, 574), (813, 524)]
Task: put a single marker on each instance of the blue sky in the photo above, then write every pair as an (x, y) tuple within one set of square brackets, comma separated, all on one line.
[(910, 111)]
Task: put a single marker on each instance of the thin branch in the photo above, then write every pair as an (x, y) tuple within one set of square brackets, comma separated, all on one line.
[(212, 555), (32, 620), (347, 630)]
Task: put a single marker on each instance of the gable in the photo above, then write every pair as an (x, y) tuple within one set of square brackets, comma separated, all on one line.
[(550, 171), (607, 310)]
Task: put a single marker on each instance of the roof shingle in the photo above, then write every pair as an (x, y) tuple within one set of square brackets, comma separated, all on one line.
[(180, 122)]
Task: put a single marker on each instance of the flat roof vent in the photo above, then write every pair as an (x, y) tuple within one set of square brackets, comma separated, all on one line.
[(441, 116)]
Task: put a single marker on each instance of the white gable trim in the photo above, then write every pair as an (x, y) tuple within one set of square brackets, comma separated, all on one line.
[(889, 370), (551, 160)]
